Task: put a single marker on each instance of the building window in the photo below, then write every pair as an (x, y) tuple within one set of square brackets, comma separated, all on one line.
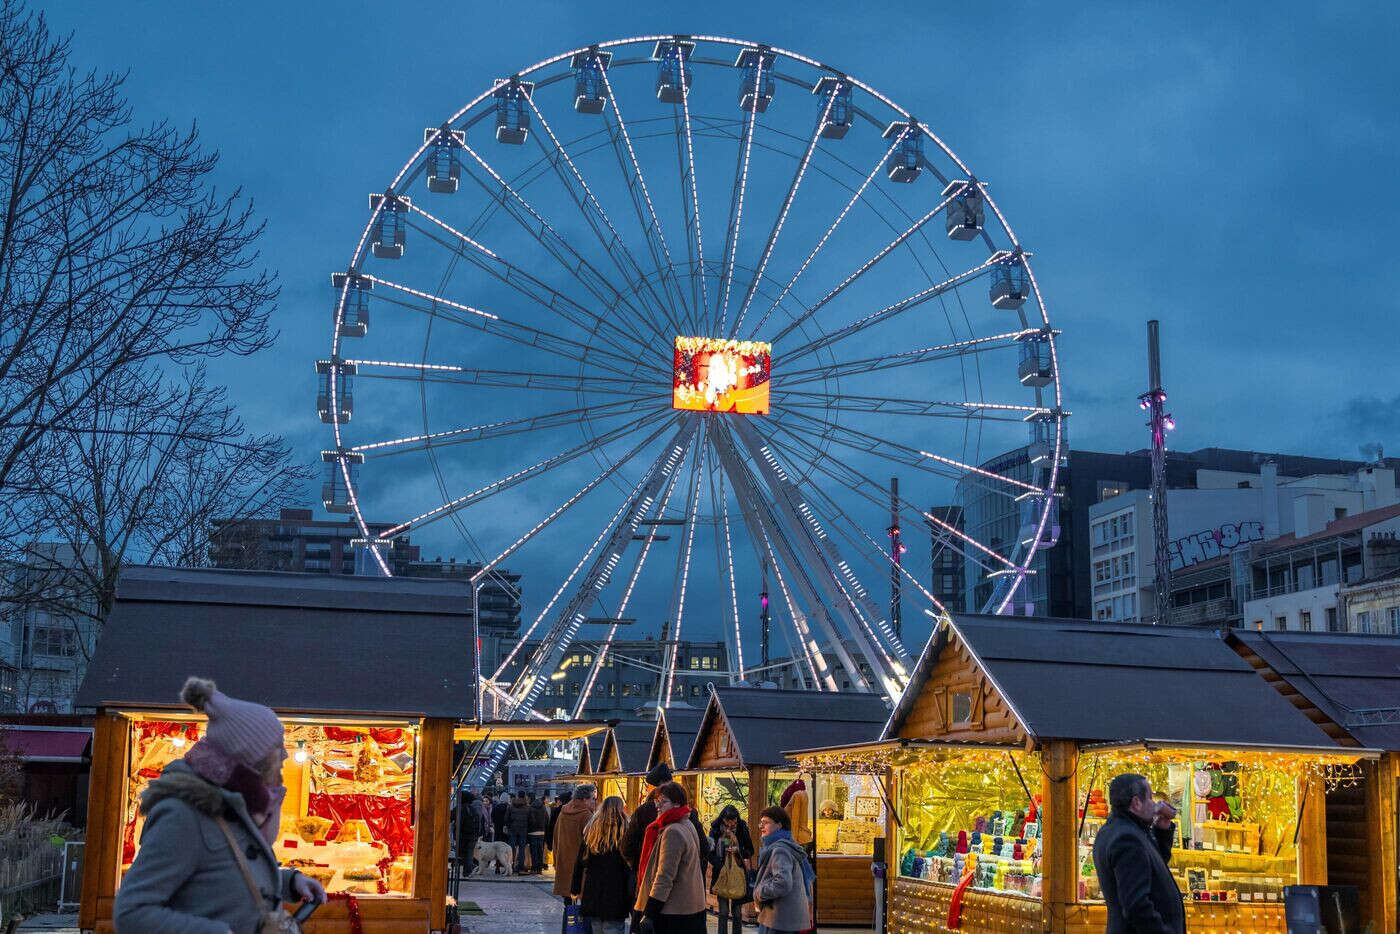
[(1280, 623), (1305, 620), (1111, 488), (1363, 621), (962, 707), (1394, 613), (1332, 620), (55, 640)]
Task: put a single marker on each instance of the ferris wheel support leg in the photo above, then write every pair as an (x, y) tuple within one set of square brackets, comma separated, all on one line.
[(667, 681), (802, 561), (561, 634), (820, 560)]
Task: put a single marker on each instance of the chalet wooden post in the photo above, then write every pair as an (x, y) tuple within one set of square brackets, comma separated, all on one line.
[(691, 784), (1058, 829), (634, 792), (106, 785), (1381, 816), (434, 803), (892, 854), (1312, 833), (758, 797)]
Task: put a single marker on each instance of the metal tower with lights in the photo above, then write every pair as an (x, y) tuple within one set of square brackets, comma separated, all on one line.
[(1154, 402), (897, 550)]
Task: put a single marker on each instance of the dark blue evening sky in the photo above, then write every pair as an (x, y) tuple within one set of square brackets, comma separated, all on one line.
[(1227, 168)]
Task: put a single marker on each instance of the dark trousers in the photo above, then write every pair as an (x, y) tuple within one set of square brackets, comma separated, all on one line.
[(537, 853), (466, 854), (730, 909), (517, 848)]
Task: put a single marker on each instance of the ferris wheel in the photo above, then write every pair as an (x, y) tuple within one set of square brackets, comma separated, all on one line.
[(660, 318)]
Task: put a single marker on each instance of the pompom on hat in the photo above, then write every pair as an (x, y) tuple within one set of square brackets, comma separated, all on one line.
[(244, 731)]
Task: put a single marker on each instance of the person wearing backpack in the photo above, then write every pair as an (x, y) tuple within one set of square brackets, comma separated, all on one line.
[(731, 848)]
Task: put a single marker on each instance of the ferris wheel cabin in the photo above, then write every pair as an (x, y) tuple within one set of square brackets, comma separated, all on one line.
[(838, 115), (354, 317), (387, 236), (335, 495), (1011, 284), (673, 74), (513, 110), (344, 397), (968, 209), (590, 85), (907, 158), (756, 88), (444, 159), (1036, 368)]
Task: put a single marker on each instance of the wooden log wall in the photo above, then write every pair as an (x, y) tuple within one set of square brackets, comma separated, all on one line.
[(931, 715)]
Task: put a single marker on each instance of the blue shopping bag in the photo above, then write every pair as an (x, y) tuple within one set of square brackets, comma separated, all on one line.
[(573, 921)]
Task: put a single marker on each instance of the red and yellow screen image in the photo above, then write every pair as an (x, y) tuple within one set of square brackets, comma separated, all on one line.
[(716, 375)]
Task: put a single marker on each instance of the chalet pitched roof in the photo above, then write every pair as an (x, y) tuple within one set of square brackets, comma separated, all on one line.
[(765, 722), (680, 724), (632, 740), (300, 643), (1353, 679), (1113, 682)]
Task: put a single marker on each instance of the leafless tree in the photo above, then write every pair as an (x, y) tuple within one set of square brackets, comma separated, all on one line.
[(115, 252)]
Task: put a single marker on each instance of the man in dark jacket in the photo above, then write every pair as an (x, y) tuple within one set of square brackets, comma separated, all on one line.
[(539, 823), (500, 811), (470, 828), (563, 798), (1131, 855), (518, 830)]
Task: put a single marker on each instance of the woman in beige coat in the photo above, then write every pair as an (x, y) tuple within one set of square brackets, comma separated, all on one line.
[(670, 878)]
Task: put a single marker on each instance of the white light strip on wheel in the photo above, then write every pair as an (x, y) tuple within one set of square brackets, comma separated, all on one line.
[(980, 472), (695, 200), (827, 236), (739, 213), (733, 592), (783, 212), (543, 419), (437, 299), (692, 510)]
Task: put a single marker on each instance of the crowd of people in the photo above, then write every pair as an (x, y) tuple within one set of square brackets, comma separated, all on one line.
[(657, 867)]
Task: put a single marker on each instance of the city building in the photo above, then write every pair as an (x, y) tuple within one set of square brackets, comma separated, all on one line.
[(295, 541), (51, 627), (1061, 584), (630, 678), (947, 561), (1225, 512)]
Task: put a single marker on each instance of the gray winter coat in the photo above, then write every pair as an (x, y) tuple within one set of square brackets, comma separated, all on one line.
[(185, 879), (780, 889)]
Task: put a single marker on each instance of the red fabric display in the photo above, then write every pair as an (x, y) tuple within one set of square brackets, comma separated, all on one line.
[(389, 819)]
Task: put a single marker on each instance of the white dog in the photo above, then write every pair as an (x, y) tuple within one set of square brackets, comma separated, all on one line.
[(496, 855)]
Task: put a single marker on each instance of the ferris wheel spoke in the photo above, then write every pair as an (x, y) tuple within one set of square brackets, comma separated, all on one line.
[(862, 485), (857, 440), (493, 324), (736, 203), (682, 576), (490, 431), (824, 238), (889, 311), (901, 358), (885, 405), (690, 195), (650, 538), (533, 223), (641, 199), (791, 195), (520, 476), (532, 287), (618, 385), (636, 502), (606, 234), (724, 570)]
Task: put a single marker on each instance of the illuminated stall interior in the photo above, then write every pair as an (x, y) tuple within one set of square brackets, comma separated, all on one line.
[(369, 716), (1000, 752), (738, 759)]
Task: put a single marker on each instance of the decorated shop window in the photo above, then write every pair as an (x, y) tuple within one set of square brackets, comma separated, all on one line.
[(850, 814), (1236, 825), (347, 819), (972, 815), (719, 789)]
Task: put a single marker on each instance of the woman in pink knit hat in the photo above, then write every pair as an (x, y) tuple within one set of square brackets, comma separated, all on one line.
[(211, 819)]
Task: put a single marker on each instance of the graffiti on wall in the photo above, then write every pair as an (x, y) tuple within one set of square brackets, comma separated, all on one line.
[(1212, 543)]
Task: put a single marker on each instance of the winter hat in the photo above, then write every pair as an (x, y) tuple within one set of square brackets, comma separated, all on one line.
[(659, 775), (244, 731)]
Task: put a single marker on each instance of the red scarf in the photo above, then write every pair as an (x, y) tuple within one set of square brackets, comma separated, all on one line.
[(654, 831)]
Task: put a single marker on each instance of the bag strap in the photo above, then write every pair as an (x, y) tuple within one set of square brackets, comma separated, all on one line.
[(242, 865)]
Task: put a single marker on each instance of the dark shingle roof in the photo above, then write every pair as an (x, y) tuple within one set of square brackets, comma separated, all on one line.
[(1107, 682), (765, 722), (633, 738), (1340, 674), (682, 723), (296, 642)]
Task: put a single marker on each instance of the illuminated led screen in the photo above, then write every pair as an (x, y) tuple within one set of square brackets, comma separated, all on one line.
[(716, 375)]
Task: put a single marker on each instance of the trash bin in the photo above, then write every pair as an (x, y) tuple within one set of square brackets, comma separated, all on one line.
[(1322, 909)]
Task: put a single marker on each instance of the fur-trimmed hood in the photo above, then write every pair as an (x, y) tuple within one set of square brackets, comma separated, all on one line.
[(179, 782)]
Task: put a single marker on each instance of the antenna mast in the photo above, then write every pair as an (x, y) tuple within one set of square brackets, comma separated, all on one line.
[(1160, 421)]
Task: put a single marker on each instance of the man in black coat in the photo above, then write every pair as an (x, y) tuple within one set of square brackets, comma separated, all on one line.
[(470, 828), (1131, 855), (500, 811)]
